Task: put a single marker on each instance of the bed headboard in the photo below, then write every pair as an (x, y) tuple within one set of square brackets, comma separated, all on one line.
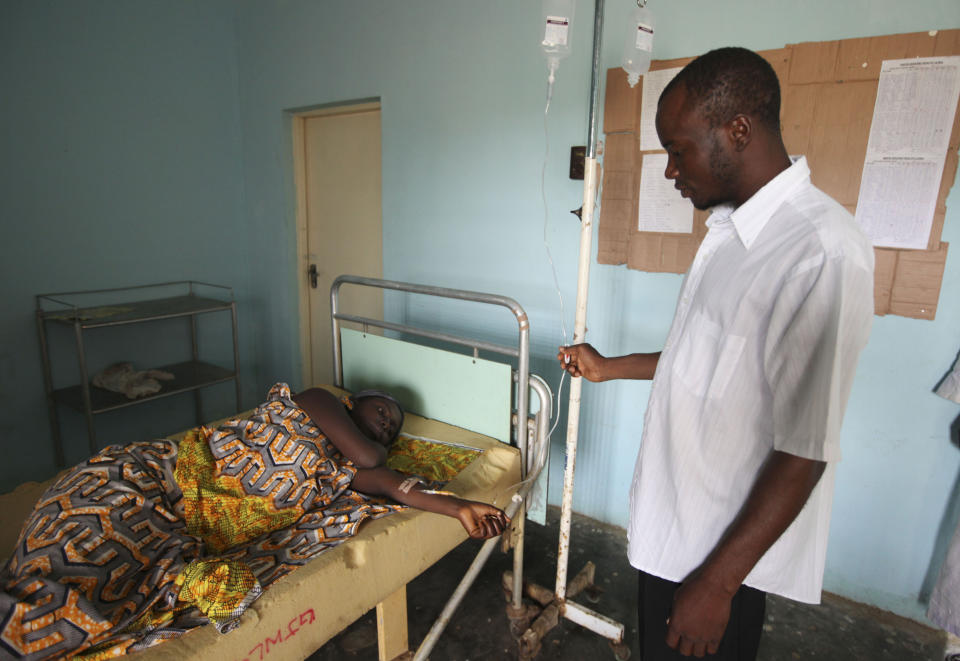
[(460, 390)]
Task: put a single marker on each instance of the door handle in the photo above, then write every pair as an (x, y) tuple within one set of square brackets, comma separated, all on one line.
[(312, 272)]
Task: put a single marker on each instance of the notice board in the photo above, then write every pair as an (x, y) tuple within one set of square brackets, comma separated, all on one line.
[(828, 92)]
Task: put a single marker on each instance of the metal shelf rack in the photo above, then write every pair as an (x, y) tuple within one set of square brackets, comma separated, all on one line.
[(125, 306)]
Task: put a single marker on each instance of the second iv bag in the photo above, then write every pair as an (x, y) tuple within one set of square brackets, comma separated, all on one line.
[(556, 21), (639, 44)]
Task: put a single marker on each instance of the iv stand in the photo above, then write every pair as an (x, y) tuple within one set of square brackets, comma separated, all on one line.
[(558, 604)]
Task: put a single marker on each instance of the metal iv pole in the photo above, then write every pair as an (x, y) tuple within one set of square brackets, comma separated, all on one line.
[(559, 604)]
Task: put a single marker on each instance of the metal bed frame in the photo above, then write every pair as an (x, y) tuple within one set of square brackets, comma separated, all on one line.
[(531, 462)]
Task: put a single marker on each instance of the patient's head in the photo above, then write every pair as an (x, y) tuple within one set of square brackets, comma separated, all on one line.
[(378, 414)]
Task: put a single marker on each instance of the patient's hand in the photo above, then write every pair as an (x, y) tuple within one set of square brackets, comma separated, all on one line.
[(482, 521)]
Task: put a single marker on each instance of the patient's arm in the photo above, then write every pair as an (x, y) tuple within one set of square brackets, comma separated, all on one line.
[(481, 521), (328, 414)]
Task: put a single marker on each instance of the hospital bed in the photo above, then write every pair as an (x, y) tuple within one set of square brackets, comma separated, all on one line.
[(442, 391)]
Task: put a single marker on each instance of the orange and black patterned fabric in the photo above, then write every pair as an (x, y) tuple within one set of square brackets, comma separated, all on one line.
[(103, 545), (144, 541), (271, 490)]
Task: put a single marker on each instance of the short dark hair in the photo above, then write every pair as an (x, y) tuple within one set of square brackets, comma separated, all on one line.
[(726, 82)]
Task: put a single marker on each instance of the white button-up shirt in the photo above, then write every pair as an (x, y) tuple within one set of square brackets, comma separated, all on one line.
[(761, 356)]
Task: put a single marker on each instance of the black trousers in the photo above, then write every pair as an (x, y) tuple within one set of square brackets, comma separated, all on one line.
[(740, 641)]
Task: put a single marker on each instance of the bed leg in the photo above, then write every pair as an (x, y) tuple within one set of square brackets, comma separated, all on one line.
[(392, 639)]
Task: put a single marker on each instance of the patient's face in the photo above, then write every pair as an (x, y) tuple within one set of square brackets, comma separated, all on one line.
[(378, 418)]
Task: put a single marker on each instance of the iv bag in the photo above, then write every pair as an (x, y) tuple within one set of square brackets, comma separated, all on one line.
[(639, 44), (556, 23)]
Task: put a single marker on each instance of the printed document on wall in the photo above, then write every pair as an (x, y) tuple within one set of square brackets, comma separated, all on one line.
[(653, 84), (662, 208), (909, 137)]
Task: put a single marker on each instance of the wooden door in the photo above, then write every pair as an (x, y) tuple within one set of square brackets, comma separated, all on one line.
[(339, 191)]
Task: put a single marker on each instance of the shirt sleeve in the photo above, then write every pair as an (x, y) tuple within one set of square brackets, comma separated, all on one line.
[(818, 326)]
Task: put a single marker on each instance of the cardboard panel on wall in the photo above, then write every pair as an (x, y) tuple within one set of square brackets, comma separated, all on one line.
[(618, 184), (860, 59), (916, 283), (620, 105), (646, 255), (620, 152), (615, 222), (838, 138), (796, 116), (828, 91), (618, 207), (947, 42), (813, 63)]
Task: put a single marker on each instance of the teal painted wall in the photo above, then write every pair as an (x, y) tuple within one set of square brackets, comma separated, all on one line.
[(154, 122), (119, 165)]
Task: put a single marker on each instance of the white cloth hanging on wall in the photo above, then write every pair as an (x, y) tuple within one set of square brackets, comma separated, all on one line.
[(949, 388), (944, 607)]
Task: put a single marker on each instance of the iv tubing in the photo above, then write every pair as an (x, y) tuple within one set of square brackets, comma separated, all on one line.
[(553, 63)]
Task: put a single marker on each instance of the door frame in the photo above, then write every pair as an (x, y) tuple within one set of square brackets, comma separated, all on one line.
[(300, 182)]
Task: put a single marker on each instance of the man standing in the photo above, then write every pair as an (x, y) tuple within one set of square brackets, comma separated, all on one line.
[(733, 484)]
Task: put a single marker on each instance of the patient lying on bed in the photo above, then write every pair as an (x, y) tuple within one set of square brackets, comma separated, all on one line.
[(144, 541)]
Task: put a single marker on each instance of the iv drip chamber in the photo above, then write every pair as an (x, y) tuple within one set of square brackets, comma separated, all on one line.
[(638, 47)]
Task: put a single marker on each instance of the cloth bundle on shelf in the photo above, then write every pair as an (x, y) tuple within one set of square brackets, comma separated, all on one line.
[(122, 378)]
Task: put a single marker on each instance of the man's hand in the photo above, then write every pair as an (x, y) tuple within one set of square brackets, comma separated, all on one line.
[(582, 360), (481, 521), (701, 610), (701, 605)]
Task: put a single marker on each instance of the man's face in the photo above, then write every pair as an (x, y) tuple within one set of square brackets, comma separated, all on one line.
[(699, 158)]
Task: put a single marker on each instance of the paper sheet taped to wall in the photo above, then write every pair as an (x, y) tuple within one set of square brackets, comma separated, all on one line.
[(909, 138), (661, 208), (653, 84)]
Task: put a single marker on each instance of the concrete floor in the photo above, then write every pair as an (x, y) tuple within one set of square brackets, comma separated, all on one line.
[(836, 629)]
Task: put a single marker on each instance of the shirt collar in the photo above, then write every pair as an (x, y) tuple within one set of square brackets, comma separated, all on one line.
[(751, 217)]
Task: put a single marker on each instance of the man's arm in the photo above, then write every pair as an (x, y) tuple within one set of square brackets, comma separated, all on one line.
[(701, 606), (583, 360)]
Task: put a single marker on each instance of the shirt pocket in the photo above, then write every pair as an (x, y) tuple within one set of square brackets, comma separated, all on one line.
[(707, 358)]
